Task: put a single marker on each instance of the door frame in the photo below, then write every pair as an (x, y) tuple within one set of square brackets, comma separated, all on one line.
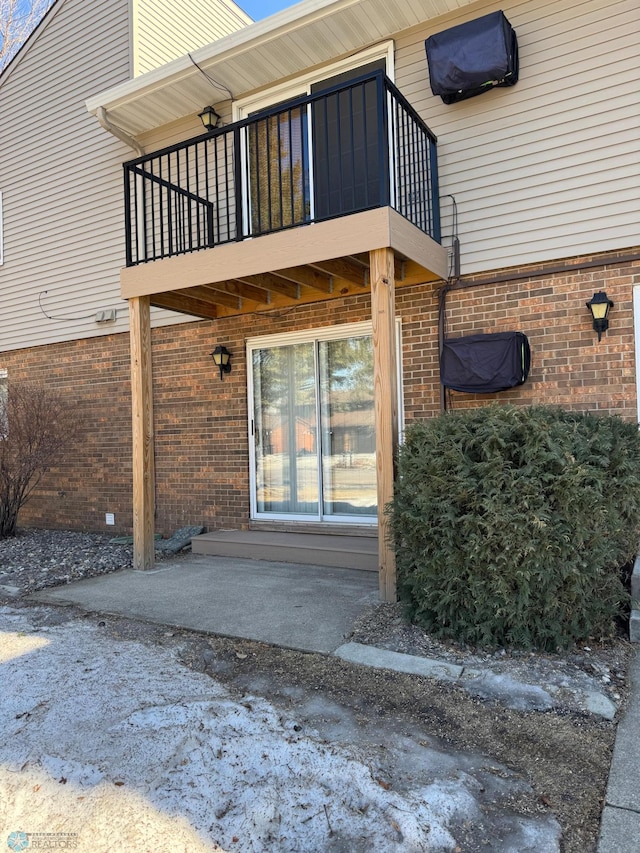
[(321, 333)]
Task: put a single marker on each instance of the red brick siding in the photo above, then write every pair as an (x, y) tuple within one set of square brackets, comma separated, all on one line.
[(201, 422)]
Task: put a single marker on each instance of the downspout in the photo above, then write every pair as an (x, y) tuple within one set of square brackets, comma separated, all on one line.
[(104, 122), (442, 299)]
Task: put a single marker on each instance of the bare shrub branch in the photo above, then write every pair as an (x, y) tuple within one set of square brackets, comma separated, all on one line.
[(38, 428)]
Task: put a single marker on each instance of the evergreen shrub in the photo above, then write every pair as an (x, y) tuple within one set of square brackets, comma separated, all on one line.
[(511, 525)]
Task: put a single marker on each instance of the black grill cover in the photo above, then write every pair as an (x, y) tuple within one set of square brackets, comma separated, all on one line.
[(473, 58), (484, 364)]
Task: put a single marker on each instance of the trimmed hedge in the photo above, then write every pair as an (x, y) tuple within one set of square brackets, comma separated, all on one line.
[(511, 524)]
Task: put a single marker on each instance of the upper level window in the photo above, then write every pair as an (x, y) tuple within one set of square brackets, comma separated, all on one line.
[(305, 85)]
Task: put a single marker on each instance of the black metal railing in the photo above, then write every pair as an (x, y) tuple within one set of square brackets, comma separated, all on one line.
[(352, 147)]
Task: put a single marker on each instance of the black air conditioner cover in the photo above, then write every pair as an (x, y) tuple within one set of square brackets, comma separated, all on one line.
[(485, 364), (473, 58)]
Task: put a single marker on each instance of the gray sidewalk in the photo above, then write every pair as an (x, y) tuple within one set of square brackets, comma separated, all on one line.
[(620, 828)]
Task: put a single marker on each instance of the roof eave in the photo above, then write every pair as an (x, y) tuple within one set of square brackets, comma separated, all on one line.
[(231, 66)]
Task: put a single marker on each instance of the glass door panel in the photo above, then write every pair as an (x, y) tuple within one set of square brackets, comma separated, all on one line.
[(278, 171), (314, 430), (285, 430), (347, 427)]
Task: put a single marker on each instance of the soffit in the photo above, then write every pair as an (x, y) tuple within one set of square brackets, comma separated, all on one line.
[(286, 44)]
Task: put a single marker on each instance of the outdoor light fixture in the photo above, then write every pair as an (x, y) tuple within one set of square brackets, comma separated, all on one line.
[(209, 118), (222, 358), (599, 305)]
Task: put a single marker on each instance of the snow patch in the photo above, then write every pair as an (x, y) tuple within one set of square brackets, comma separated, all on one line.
[(119, 743)]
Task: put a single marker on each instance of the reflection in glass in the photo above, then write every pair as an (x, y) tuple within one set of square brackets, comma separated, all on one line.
[(301, 469), (285, 429), (348, 428), (278, 171)]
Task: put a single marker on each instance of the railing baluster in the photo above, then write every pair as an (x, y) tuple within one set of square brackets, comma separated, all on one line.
[(279, 164), (220, 142), (238, 173), (325, 106), (292, 203), (352, 140), (383, 139), (199, 241), (268, 157), (435, 191), (306, 176), (188, 196), (127, 215), (412, 171), (394, 181)]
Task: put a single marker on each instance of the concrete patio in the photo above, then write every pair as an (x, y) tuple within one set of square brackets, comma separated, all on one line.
[(310, 608)]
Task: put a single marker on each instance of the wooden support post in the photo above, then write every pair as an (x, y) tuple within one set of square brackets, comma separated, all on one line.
[(143, 438), (386, 405)]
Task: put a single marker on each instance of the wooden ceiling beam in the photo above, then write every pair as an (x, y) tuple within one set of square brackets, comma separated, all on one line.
[(345, 268), (172, 301), (243, 290), (309, 277), (205, 293), (269, 282), (398, 265)]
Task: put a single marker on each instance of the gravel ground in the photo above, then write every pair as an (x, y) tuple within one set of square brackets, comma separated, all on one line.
[(35, 559), (563, 754)]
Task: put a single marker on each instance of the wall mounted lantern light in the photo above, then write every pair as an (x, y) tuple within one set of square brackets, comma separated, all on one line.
[(209, 118), (599, 305), (222, 358)]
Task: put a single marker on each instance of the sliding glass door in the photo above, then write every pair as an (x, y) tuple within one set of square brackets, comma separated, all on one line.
[(348, 455), (312, 430), (285, 430)]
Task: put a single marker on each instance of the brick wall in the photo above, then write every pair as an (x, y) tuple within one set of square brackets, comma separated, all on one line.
[(569, 367), (201, 422)]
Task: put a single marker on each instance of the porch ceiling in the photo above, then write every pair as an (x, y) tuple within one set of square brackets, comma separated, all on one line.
[(286, 44), (317, 262)]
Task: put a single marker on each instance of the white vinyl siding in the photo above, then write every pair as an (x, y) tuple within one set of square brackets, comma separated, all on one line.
[(1, 234), (165, 30), (544, 170), (61, 179), (60, 175), (548, 168)]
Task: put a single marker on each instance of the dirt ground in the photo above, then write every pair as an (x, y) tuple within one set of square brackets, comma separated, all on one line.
[(565, 759), (564, 756)]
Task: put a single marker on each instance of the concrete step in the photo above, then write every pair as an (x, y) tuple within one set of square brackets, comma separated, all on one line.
[(314, 549)]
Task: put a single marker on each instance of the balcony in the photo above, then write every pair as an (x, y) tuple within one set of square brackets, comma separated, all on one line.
[(284, 206)]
